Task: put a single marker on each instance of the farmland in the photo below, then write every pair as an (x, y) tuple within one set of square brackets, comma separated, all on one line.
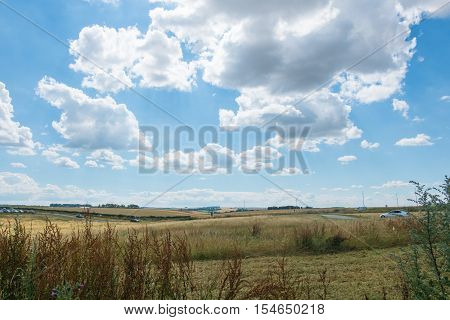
[(186, 214), (143, 212), (332, 253)]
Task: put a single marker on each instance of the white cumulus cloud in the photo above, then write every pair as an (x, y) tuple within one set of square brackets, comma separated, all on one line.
[(66, 162), (274, 53), (102, 157), (18, 165), (90, 123), (16, 183), (392, 184), (369, 145), (21, 188), (347, 159), (419, 140), (91, 164), (258, 158), (53, 154), (17, 138), (401, 106), (152, 60), (325, 114)]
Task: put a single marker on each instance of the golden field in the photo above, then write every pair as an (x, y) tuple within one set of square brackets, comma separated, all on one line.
[(341, 255)]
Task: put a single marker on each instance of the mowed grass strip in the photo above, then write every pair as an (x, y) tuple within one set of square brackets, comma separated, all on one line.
[(363, 274)]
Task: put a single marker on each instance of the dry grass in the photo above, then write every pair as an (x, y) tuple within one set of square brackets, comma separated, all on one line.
[(211, 239), (37, 223), (144, 212), (349, 275), (288, 257)]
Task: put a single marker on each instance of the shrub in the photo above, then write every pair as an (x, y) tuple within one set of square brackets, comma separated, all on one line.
[(426, 266), (318, 238), (334, 242), (256, 229)]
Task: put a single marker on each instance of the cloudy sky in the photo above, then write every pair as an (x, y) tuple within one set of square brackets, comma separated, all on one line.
[(78, 78)]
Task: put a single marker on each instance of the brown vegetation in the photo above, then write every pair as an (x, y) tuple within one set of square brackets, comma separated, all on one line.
[(161, 264)]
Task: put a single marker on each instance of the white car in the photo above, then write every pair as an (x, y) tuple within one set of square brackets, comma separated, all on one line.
[(395, 214)]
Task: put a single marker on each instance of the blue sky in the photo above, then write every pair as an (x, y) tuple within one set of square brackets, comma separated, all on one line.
[(68, 131)]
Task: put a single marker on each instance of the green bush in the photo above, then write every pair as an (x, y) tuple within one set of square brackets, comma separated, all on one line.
[(426, 265)]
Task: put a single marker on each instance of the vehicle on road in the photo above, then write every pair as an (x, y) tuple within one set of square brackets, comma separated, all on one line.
[(395, 214), (135, 219)]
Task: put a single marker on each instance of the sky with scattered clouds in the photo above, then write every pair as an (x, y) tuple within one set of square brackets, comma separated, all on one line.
[(78, 78)]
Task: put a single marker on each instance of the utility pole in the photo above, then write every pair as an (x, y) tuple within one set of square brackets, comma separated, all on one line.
[(364, 205), (396, 196)]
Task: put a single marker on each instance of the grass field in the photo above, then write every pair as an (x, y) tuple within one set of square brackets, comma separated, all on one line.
[(362, 274), (144, 212), (344, 255)]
